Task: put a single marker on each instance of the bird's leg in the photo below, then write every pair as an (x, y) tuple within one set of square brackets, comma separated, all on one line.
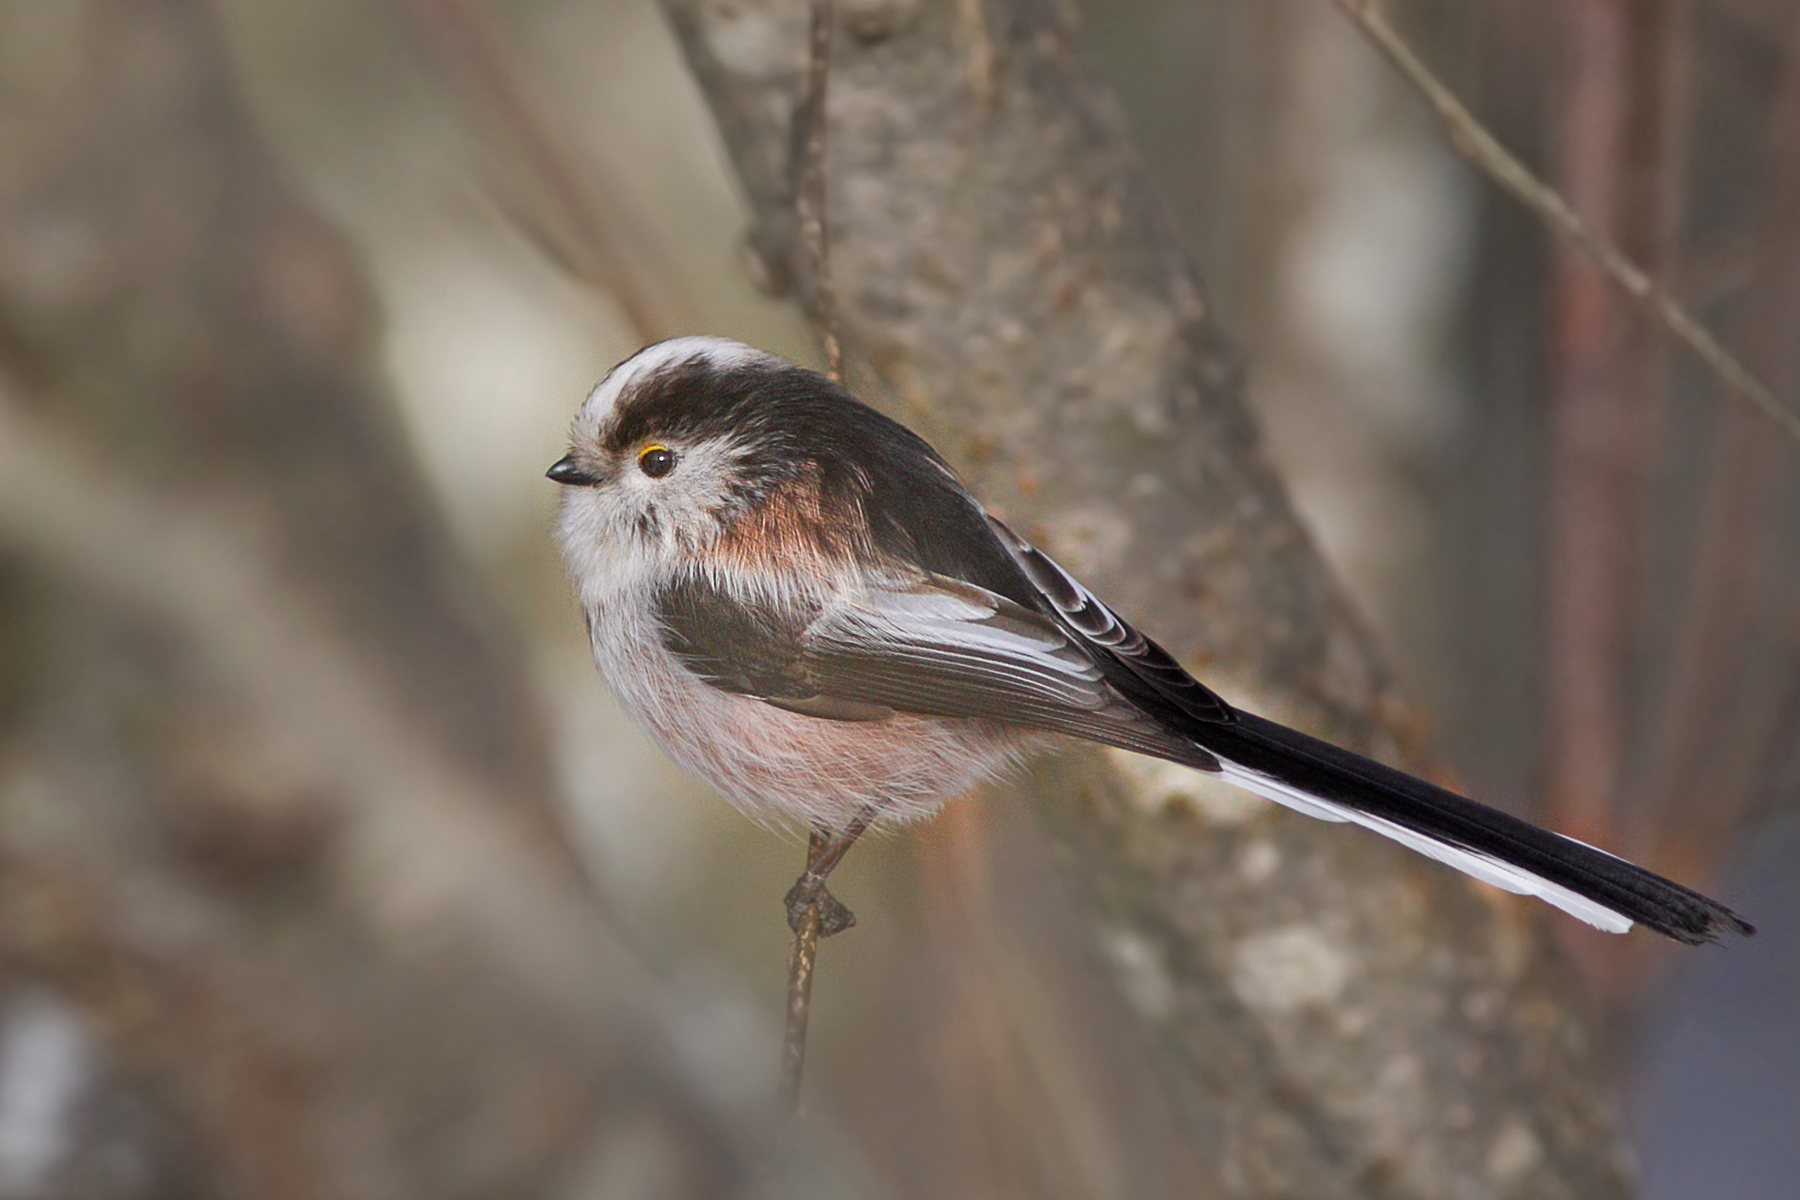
[(824, 856), (814, 913)]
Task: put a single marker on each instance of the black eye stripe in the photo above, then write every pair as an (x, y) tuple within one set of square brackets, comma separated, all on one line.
[(656, 461)]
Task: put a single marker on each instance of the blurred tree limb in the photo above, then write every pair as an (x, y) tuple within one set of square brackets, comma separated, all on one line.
[(1335, 1017), (275, 813), (418, 851)]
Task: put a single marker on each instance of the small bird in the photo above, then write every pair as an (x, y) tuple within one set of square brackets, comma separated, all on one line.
[(805, 607)]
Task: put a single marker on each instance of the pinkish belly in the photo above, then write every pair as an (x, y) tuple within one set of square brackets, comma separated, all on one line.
[(781, 766)]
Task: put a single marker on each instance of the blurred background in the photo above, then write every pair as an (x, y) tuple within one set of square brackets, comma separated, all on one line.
[(296, 302)]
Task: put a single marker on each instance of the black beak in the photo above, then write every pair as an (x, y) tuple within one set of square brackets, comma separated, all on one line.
[(566, 470)]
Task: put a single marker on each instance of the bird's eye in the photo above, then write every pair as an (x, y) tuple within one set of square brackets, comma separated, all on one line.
[(656, 461)]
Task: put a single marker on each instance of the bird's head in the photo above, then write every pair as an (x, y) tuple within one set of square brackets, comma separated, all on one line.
[(704, 451)]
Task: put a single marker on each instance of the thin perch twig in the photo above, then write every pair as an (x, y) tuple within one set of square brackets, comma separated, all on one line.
[(1475, 143), (810, 205), (814, 913), (799, 997)]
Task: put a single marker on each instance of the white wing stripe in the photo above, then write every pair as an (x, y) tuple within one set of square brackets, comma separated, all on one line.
[(942, 631), (1483, 867)]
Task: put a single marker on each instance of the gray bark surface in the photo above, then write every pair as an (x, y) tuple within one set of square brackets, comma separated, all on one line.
[(1334, 1016)]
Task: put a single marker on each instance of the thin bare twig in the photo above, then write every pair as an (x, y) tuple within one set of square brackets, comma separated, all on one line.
[(579, 222), (814, 232), (1475, 143)]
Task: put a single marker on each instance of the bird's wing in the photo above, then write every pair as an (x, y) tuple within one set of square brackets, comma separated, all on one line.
[(926, 644), (1138, 667)]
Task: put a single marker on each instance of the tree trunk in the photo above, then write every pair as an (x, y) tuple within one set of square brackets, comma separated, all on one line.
[(1334, 1016)]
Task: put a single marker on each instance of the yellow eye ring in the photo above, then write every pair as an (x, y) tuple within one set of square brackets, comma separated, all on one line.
[(656, 460)]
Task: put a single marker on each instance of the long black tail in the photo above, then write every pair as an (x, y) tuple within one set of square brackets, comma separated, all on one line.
[(1324, 781)]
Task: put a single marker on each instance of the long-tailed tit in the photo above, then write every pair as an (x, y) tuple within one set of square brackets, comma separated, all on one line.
[(802, 604)]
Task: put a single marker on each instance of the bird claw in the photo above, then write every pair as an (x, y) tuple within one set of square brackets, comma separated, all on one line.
[(834, 915)]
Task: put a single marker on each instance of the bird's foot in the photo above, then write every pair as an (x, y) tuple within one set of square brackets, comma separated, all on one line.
[(808, 890)]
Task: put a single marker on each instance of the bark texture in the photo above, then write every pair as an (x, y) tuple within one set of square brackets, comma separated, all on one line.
[(1334, 1016)]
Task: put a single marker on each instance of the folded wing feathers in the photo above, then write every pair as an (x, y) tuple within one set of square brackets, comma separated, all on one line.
[(975, 636)]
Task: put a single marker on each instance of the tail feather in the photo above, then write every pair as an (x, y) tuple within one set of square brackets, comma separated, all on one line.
[(1325, 781)]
